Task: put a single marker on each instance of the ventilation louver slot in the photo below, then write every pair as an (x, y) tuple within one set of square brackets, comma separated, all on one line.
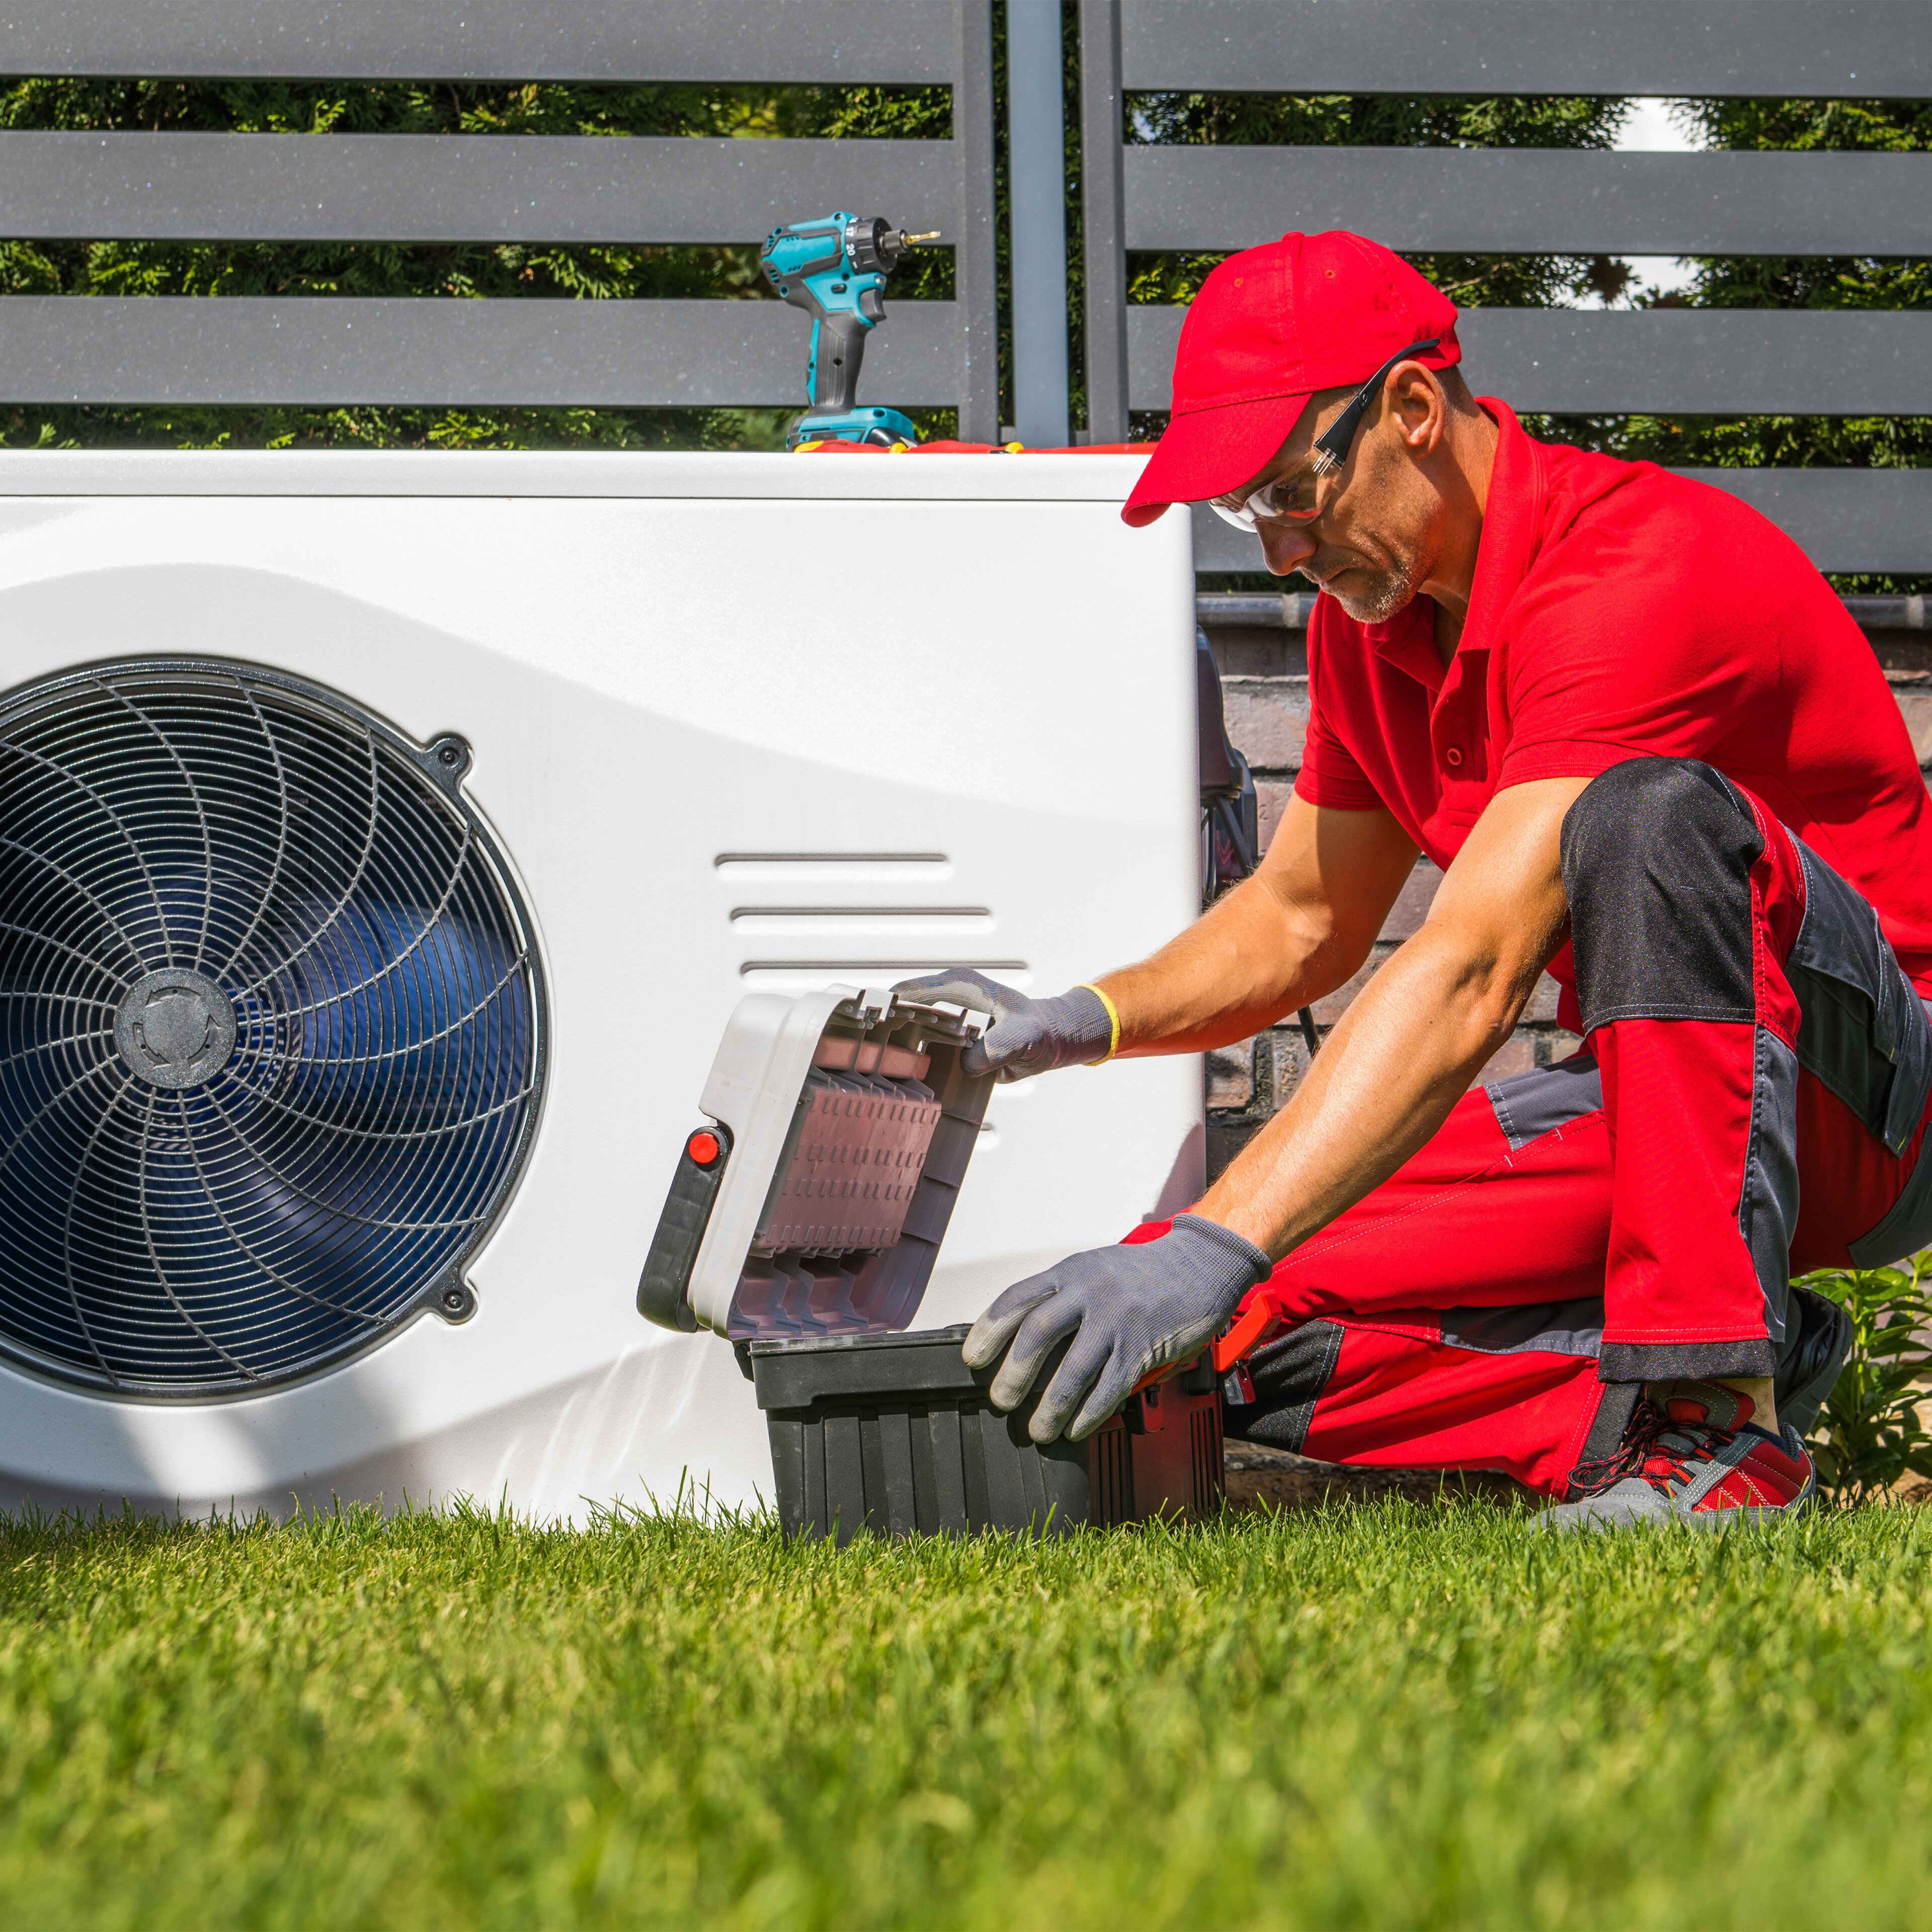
[(270, 1028)]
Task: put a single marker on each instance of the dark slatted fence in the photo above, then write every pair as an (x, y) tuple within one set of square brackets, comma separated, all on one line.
[(1680, 361), (441, 188)]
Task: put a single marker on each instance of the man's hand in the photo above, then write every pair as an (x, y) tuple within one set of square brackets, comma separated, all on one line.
[(1128, 1309), (1028, 1036)]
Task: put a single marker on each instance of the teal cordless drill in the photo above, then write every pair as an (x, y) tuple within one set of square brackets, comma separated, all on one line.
[(833, 267)]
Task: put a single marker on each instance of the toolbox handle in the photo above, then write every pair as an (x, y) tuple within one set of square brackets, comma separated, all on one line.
[(1250, 1325), (1247, 1331)]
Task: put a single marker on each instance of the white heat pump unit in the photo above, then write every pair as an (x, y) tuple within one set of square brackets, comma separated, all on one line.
[(384, 842)]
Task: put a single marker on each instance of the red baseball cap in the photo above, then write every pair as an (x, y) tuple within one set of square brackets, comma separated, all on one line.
[(1271, 327)]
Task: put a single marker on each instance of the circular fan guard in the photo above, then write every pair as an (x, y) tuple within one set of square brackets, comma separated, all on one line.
[(271, 1028)]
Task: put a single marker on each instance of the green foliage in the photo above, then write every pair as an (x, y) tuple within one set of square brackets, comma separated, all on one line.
[(577, 272), (456, 271), (1797, 442), (1888, 127), (1869, 1434), (1868, 127), (1381, 1717), (1341, 120), (1382, 120)]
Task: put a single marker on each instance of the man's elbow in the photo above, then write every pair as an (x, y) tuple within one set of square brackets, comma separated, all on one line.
[(1499, 1008), (1494, 975)]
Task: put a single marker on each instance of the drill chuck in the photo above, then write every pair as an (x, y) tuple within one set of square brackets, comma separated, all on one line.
[(875, 246)]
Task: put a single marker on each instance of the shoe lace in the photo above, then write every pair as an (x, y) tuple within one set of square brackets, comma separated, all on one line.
[(1652, 1437)]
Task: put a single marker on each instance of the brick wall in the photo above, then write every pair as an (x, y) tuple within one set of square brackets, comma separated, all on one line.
[(1264, 692)]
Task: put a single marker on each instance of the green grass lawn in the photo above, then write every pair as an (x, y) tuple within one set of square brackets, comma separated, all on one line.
[(1381, 1717)]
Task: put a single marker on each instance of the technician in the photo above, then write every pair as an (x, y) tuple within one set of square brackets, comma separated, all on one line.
[(1653, 755)]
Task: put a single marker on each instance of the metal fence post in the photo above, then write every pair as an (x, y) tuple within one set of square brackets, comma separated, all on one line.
[(1036, 152), (1105, 202), (975, 253)]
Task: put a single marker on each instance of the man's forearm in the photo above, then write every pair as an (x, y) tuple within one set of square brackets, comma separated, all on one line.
[(1418, 1033), (1385, 1080), (1237, 969), (1283, 939)]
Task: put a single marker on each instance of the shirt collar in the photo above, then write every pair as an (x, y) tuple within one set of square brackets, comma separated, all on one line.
[(1408, 641), (1512, 527)]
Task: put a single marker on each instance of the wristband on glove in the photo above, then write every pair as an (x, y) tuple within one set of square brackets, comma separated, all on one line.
[(1113, 1016)]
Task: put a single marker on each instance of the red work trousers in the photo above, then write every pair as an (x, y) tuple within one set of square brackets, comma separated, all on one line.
[(1749, 1102)]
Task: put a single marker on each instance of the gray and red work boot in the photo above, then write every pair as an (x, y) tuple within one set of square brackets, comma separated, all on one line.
[(1692, 1455)]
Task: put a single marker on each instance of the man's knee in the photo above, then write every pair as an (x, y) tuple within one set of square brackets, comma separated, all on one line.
[(1645, 810), (1657, 856)]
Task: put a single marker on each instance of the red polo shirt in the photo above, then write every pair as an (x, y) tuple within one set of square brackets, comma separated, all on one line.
[(1621, 612)]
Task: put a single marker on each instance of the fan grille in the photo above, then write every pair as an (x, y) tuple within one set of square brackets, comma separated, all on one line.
[(270, 1028)]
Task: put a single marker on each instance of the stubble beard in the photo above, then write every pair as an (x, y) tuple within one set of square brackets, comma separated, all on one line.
[(1378, 594)]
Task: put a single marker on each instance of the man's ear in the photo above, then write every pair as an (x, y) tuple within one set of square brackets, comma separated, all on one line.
[(1420, 407)]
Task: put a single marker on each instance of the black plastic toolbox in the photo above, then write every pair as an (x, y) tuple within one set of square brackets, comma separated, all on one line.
[(894, 1434), (804, 1224)]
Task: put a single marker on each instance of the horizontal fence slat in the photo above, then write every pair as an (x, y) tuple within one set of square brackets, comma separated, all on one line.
[(1290, 610), (534, 353), (458, 187), (1681, 361), (607, 40), (1844, 520), (1512, 201), (1864, 48)]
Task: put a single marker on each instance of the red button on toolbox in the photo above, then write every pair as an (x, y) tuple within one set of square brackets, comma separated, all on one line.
[(702, 1148)]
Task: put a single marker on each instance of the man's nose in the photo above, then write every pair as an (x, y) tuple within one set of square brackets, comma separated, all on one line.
[(1286, 546)]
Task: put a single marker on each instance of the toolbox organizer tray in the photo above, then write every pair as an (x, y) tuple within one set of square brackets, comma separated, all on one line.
[(803, 1225), (817, 1204)]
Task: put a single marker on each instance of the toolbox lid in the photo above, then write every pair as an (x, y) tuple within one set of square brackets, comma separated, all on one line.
[(845, 1123), (796, 1373)]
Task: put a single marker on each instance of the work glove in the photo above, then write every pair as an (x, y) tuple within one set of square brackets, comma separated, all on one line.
[(1028, 1036), (1129, 1309)]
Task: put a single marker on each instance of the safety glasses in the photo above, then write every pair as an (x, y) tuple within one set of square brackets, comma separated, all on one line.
[(1293, 498)]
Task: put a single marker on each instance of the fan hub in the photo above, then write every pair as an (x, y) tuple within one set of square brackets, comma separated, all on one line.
[(174, 1028)]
